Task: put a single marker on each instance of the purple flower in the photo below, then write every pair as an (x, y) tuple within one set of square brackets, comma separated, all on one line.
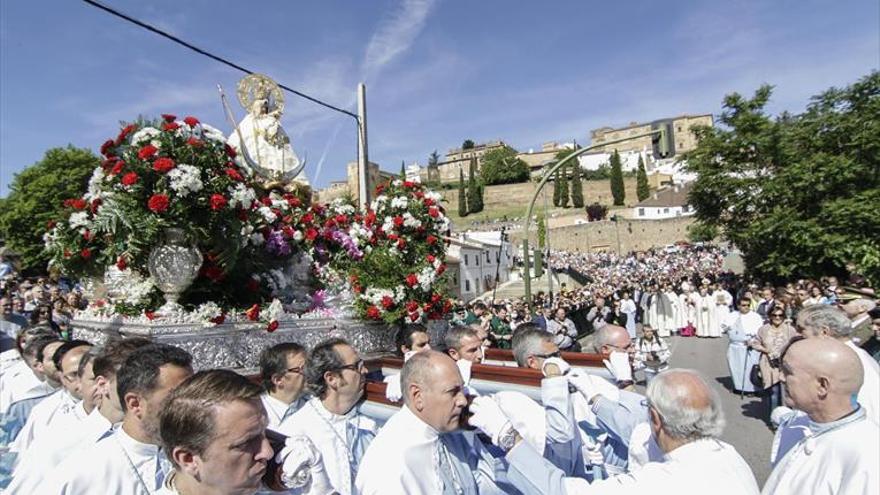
[(347, 243), (276, 244), (317, 298)]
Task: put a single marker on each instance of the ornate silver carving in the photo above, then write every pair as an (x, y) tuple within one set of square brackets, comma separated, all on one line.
[(173, 266)]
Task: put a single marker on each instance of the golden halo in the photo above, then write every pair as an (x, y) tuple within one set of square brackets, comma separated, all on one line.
[(253, 86)]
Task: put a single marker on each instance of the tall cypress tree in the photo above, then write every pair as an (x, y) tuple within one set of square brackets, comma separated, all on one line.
[(577, 187), (617, 190), (556, 189), (563, 187), (642, 188), (473, 191), (462, 201), (402, 170)]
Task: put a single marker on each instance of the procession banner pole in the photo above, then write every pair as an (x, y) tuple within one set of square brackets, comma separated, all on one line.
[(363, 158)]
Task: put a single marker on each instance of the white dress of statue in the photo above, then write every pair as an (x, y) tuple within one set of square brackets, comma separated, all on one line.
[(267, 150)]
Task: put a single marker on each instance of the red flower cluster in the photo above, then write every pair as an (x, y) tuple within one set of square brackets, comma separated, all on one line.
[(158, 203), (163, 165), (76, 203), (129, 179), (147, 152), (218, 202)]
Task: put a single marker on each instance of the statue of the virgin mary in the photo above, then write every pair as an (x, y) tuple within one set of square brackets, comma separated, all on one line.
[(259, 138)]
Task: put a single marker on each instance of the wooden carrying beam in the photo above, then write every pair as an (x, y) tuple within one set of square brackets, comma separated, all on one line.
[(576, 359)]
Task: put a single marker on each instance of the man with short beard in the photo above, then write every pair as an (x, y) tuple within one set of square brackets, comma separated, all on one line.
[(129, 460)]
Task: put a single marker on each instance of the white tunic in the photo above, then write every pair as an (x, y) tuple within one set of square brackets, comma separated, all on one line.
[(57, 405), (342, 440), (696, 468), (46, 453), (116, 464), (722, 301), (869, 394), (842, 460), (18, 382), (278, 411), (405, 458)]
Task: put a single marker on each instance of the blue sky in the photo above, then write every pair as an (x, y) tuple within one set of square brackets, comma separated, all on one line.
[(437, 72)]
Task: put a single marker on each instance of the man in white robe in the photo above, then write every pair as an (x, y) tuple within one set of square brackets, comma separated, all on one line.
[(742, 327), (722, 300), (824, 321), (57, 404), (331, 419), (129, 461), (687, 307), (422, 449), (840, 451), (282, 368), (705, 308), (686, 420), (22, 379), (46, 452)]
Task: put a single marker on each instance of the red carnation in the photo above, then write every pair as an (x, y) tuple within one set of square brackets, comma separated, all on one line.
[(341, 219), (307, 218), (147, 152), (401, 244), (370, 218), (387, 302), (435, 298), (412, 280), (87, 235), (412, 306), (78, 204), (431, 258), (253, 313), (169, 117), (311, 234), (150, 315), (234, 175), (95, 204), (441, 269), (121, 263), (272, 326), (398, 221), (158, 203), (191, 121), (230, 151), (194, 142), (431, 240), (129, 179), (170, 126), (293, 201), (428, 202), (266, 200), (108, 144), (434, 212), (117, 169), (50, 224), (407, 183), (163, 165), (125, 132), (218, 320), (86, 253), (218, 202), (373, 312), (414, 316), (380, 188)]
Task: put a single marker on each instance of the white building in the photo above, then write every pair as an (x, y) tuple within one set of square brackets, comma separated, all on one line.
[(474, 260), (669, 202), (629, 160)]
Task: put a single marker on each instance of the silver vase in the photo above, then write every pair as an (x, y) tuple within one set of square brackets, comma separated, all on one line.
[(174, 265)]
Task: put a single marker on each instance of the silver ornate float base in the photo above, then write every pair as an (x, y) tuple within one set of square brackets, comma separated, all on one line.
[(238, 345)]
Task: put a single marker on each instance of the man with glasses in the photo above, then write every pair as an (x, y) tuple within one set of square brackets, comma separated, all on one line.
[(336, 377), (281, 370)]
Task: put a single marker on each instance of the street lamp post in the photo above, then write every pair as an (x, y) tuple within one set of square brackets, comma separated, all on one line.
[(527, 269)]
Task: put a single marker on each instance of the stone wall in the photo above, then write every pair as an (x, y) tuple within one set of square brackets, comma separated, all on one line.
[(624, 235)]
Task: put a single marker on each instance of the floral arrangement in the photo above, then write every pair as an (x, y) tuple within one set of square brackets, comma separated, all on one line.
[(181, 174)]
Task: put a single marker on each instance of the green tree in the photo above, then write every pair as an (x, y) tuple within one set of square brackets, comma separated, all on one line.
[(36, 198), (542, 231), (501, 166), (642, 188), (462, 199), (557, 189), (403, 169), (577, 187), (434, 170), (475, 202), (563, 186), (794, 192), (467, 145), (617, 190)]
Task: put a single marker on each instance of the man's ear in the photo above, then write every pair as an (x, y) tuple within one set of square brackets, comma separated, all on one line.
[(824, 385), (186, 460), (654, 417), (418, 400), (277, 379), (133, 402), (103, 386), (453, 353), (330, 378)]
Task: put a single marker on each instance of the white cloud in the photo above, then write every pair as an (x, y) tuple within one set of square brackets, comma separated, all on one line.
[(396, 33)]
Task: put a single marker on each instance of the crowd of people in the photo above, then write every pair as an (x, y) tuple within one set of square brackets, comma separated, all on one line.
[(132, 417)]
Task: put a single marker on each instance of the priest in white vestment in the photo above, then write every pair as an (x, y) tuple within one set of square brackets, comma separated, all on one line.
[(839, 451), (722, 300), (705, 308), (742, 327), (331, 419), (686, 421), (422, 449), (56, 405), (128, 461)]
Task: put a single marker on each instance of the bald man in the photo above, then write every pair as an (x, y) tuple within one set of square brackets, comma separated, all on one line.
[(616, 346), (686, 422), (841, 452), (422, 448)]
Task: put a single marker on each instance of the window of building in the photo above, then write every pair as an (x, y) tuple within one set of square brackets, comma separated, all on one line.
[(467, 285), (680, 145), (477, 259), (641, 212), (487, 257), (678, 129), (466, 260), (665, 210)]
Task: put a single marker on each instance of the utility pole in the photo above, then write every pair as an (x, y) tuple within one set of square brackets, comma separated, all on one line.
[(363, 157)]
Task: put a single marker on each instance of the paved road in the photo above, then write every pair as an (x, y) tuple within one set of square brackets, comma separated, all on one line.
[(746, 430)]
